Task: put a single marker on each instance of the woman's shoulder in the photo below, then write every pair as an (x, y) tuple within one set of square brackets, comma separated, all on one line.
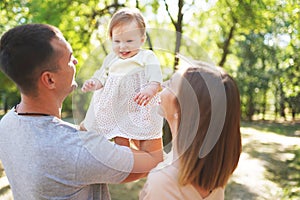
[(164, 178), (161, 184), (163, 174), (217, 193)]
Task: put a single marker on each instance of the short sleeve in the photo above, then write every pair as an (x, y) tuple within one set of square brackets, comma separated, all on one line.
[(152, 67), (102, 73), (101, 161)]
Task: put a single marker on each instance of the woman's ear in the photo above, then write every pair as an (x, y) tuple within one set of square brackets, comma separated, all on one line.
[(48, 80), (144, 38)]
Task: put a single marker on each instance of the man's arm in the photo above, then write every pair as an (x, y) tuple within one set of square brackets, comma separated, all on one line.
[(145, 159)]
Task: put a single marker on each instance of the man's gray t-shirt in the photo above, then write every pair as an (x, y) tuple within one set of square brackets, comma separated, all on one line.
[(47, 158)]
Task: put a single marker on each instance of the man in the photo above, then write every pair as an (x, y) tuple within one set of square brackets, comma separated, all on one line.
[(43, 156)]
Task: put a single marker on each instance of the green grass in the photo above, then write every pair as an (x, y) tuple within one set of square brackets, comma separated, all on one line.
[(285, 128), (127, 191), (287, 174)]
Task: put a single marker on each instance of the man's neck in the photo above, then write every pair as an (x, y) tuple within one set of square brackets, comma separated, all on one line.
[(38, 105)]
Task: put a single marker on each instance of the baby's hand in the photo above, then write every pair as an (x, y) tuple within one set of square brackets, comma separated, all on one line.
[(145, 96), (91, 85)]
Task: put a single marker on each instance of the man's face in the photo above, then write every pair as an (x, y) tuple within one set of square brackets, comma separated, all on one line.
[(65, 75)]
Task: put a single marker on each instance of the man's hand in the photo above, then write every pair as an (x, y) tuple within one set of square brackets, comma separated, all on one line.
[(149, 154)]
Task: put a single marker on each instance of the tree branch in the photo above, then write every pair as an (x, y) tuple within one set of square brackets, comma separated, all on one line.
[(226, 46), (167, 9)]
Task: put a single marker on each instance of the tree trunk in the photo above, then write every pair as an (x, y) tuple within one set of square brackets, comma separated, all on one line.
[(5, 104), (294, 114), (276, 104), (178, 28), (281, 101), (226, 46), (137, 4), (250, 110), (149, 41), (264, 105), (177, 48), (265, 89)]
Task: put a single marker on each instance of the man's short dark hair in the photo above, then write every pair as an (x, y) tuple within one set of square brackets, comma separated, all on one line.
[(25, 52)]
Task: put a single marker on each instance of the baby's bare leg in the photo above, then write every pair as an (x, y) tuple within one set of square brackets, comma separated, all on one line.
[(122, 141), (81, 127), (136, 143)]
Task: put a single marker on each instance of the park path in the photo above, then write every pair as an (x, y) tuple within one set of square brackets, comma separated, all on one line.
[(260, 149), (249, 181)]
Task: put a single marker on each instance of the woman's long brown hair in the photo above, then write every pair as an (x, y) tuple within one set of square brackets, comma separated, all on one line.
[(216, 167)]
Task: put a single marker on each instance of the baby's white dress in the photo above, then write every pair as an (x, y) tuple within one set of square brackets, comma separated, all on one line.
[(112, 110)]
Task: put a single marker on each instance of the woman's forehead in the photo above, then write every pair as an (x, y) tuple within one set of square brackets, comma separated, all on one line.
[(174, 82), (176, 78)]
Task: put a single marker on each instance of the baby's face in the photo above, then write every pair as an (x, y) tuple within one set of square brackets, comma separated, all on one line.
[(127, 39)]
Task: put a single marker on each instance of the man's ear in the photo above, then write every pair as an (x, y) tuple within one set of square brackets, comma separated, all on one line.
[(48, 80)]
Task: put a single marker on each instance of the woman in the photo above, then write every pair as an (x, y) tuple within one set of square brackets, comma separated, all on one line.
[(202, 107)]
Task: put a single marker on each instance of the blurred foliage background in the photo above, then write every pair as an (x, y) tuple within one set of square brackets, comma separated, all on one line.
[(257, 42)]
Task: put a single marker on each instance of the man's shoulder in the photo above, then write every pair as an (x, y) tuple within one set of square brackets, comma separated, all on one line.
[(7, 115), (38, 123), (65, 124)]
